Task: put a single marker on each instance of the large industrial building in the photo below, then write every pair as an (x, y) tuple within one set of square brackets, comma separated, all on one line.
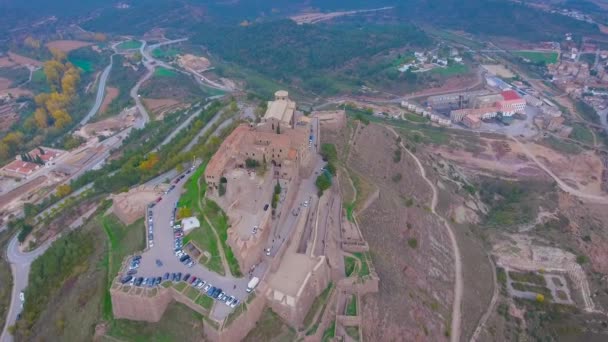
[(488, 106)]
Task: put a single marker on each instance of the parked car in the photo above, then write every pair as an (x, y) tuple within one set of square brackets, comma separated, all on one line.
[(207, 287), (266, 207), (159, 263), (158, 280), (179, 276), (138, 281), (193, 280), (184, 257), (228, 300), (234, 303), (186, 277), (22, 296), (210, 291), (131, 272), (166, 276), (159, 199)]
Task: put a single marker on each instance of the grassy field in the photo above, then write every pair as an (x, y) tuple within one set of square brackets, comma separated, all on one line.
[(220, 221), (123, 240), (329, 333), (452, 70), (179, 323), (351, 307), (85, 65), (349, 265), (582, 133), (270, 327), (204, 301), (538, 56), (164, 72), (561, 146), (364, 257), (416, 118), (129, 45), (165, 52)]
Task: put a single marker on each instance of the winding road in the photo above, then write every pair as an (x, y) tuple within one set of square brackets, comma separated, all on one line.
[(458, 287), (100, 93)]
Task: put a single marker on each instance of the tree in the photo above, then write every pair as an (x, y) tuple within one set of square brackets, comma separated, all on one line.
[(61, 118), (42, 119), (184, 212), (32, 43), (251, 163), (323, 183), (540, 298), (4, 151), (64, 190)]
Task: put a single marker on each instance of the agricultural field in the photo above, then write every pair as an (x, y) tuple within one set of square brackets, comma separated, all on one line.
[(129, 45), (164, 72), (451, 70), (165, 52), (538, 56), (581, 133)]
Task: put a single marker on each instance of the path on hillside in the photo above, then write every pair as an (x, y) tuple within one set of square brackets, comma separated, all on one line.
[(565, 187), (490, 310), (458, 287), (217, 236)]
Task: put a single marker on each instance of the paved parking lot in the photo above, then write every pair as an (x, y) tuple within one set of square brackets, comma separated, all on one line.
[(163, 250)]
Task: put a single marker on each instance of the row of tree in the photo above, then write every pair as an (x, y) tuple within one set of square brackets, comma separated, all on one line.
[(62, 78)]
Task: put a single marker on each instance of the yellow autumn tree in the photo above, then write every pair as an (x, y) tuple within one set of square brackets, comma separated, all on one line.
[(4, 151), (41, 117), (61, 117), (31, 42), (69, 81), (13, 140), (58, 55), (149, 163), (64, 190), (53, 71)]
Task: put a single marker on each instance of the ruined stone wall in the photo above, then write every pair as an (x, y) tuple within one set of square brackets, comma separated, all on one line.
[(317, 282)]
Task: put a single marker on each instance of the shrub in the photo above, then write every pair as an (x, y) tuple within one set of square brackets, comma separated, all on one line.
[(412, 242), (251, 163), (323, 183)]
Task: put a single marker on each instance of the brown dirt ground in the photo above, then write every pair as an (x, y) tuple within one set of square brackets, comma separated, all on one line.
[(16, 92), (22, 60), (414, 301), (159, 106), (5, 62), (67, 45), (111, 94), (505, 158), (5, 83), (27, 187)]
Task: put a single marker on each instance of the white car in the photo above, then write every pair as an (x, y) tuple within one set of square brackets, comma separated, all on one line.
[(305, 204), (22, 296), (255, 229), (268, 251), (151, 244), (234, 303)]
